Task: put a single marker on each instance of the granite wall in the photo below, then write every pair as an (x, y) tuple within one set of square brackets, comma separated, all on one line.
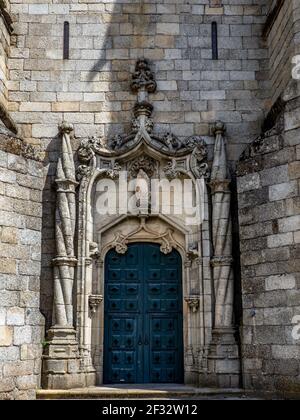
[(21, 323)]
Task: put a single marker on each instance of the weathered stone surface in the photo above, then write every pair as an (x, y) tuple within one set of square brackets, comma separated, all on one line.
[(270, 268), (6, 336), (284, 282), (20, 254), (38, 89)]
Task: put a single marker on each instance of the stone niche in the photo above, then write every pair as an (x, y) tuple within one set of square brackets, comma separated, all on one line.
[(204, 243)]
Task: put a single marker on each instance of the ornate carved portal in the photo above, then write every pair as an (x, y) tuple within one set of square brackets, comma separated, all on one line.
[(211, 356)]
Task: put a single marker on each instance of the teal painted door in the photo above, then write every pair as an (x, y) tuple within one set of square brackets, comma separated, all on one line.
[(143, 340)]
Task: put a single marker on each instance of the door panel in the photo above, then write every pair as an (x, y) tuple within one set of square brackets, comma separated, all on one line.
[(143, 316), (165, 356)]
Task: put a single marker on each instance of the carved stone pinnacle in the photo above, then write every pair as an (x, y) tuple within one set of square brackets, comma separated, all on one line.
[(143, 78), (65, 128), (219, 128)]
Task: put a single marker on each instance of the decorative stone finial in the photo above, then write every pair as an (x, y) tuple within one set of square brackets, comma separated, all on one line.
[(143, 108), (66, 128), (143, 78), (219, 128)]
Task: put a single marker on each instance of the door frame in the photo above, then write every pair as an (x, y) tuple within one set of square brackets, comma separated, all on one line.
[(180, 314), (196, 282)]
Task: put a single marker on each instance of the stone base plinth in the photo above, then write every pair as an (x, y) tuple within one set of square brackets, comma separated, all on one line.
[(223, 361), (62, 367)]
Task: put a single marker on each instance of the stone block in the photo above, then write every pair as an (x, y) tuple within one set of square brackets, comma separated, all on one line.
[(18, 368), (27, 382), (280, 240), (281, 367), (273, 176), (278, 316), (271, 299), (6, 385), (283, 191), (17, 164), (7, 354), (252, 365), (249, 182), (9, 235), (6, 336), (253, 198), (7, 266), (286, 352), (283, 282), (168, 29), (30, 237), (15, 316), (269, 335), (289, 224), (22, 335)]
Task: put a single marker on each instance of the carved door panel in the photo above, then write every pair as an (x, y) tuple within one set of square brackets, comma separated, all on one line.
[(143, 316)]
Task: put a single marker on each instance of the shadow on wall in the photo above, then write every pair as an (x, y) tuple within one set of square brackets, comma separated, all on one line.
[(129, 36), (48, 233), (116, 73)]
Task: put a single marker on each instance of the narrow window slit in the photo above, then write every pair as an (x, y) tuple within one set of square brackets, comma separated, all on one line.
[(214, 37), (66, 41)]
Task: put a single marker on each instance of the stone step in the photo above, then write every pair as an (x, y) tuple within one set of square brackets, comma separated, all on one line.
[(142, 393)]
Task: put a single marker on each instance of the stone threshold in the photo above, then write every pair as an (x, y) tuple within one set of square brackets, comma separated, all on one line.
[(140, 392)]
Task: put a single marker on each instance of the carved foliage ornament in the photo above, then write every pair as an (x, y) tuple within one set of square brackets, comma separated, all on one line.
[(167, 143), (166, 239), (198, 164), (94, 302), (88, 148), (146, 163), (193, 303), (143, 77)]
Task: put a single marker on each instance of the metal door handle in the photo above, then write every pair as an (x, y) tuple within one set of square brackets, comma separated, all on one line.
[(140, 343)]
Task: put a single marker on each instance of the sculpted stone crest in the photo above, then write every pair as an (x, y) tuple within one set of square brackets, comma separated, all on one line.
[(146, 163), (142, 130), (143, 77)]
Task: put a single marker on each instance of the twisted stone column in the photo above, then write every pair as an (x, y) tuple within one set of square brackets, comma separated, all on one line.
[(223, 358), (222, 233), (62, 368), (65, 221)]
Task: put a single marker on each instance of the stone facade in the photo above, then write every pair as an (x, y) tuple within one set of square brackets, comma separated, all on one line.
[(90, 90), (54, 264), (4, 49), (21, 324), (269, 217)]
